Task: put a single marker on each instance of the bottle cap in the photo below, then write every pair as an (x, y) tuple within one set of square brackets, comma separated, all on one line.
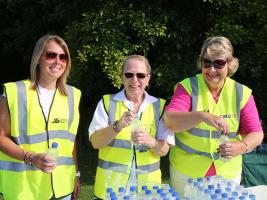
[(148, 192), (54, 145), (133, 188)]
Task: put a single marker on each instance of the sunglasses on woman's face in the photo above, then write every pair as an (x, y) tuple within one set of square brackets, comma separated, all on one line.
[(217, 64), (138, 75), (52, 56)]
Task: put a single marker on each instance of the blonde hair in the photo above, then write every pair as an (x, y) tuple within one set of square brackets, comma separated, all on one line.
[(219, 46), (136, 57), (37, 53)]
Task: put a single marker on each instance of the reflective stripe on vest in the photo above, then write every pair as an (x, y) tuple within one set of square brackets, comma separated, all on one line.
[(124, 168), (19, 167)]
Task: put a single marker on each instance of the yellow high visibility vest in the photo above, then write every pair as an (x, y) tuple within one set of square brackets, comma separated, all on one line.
[(31, 131), (196, 149), (115, 160)]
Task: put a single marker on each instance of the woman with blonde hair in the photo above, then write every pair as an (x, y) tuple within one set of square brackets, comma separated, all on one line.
[(34, 114)]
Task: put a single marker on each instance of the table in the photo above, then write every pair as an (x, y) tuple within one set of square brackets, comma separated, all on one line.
[(260, 191)]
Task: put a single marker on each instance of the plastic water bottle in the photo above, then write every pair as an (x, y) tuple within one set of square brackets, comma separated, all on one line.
[(175, 196), (200, 192), (243, 197), (170, 194), (53, 151), (107, 195), (218, 192), (142, 194), (208, 181), (200, 181), (252, 197), (133, 192), (158, 195), (235, 194), (222, 140), (165, 187), (213, 197), (245, 192), (224, 196), (136, 126), (211, 188), (188, 188), (207, 193), (239, 189), (228, 190), (194, 192), (154, 191), (162, 195), (120, 194), (217, 180), (113, 196), (148, 195)]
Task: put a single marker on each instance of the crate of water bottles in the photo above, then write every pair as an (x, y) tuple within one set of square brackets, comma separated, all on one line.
[(215, 188), (143, 192)]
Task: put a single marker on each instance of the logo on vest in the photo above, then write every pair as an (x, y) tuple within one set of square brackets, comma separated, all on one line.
[(228, 116), (57, 120)]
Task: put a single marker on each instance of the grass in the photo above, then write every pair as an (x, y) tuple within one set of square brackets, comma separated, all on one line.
[(87, 159)]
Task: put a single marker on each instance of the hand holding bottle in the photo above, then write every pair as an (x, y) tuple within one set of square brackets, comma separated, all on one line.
[(52, 153), (48, 161), (222, 142), (41, 161), (141, 135)]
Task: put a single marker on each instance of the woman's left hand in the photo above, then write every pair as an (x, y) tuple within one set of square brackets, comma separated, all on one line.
[(142, 137), (77, 189), (231, 149)]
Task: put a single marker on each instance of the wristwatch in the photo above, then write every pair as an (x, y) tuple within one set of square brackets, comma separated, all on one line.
[(115, 126), (78, 173)]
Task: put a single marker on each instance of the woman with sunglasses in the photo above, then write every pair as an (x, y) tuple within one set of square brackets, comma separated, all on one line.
[(120, 162), (34, 114), (205, 106)]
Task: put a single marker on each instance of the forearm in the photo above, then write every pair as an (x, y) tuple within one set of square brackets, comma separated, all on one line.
[(161, 148), (181, 121), (10, 148), (252, 140), (74, 155), (103, 137)]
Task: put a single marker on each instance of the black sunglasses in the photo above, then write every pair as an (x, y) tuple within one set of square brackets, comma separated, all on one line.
[(218, 64), (52, 55), (138, 75)]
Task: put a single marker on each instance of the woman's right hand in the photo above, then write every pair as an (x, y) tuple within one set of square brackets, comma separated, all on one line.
[(126, 119), (218, 122), (43, 162)]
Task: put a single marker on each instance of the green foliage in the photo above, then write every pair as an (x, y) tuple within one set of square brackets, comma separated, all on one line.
[(244, 23), (169, 33), (110, 33)]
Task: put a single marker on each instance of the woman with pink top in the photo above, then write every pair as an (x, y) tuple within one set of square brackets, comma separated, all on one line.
[(205, 106)]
